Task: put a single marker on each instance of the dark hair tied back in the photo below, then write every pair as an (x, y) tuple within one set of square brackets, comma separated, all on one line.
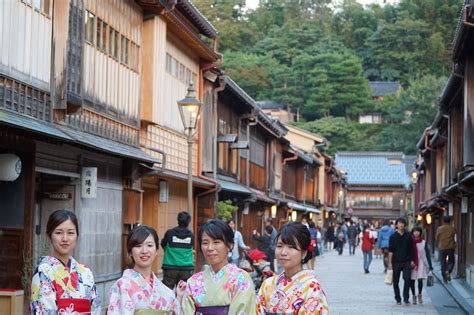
[(58, 217), (217, 230), (297, 235)]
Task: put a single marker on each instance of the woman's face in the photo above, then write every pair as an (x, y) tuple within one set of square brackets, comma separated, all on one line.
[(214, 250), (416, 234), (64, 239), (145, 253), (288, 256)]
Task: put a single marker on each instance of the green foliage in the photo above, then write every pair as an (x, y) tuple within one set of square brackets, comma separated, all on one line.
[(225, 209), (317, 56)]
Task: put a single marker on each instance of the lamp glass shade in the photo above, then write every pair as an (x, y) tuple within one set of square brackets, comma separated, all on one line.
[(419, 217), (273, 211), (189, 108), (294, 215), (428, 218)]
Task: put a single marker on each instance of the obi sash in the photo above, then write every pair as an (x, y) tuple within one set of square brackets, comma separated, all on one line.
[(74, 306), (212, 310)]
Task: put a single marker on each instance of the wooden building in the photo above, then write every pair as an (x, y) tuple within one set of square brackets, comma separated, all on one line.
[(445, 183), (377, 183), (174, 55), (70, 82)]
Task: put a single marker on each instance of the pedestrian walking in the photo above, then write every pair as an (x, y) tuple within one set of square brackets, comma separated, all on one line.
[(401, 260), (295, 290), (139, 290), (271, 253), (60, 284), (238, 243), (330, 237), (445, 236), (178, 244), (352, 236), (422, 264), (321, 244), (221, 288), (367, 247), (383, 239), (339, 242), (315, 239), (263, 241)]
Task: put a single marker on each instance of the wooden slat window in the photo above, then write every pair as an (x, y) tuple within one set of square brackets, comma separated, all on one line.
[(257, 147), (169, 63), (124, 50), (113, 43), (278, 170), (43, 6), (134, 56), (101, 38), (89, 19)]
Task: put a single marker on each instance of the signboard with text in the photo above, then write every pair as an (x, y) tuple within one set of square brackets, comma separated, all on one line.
[(89, 182)]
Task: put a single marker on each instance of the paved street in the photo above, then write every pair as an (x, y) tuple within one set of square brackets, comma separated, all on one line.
[(350, 291)]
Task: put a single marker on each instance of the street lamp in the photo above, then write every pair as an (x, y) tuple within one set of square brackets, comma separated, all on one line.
[(189, 108)]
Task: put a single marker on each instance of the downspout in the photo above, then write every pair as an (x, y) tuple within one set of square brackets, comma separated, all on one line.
[(163, 162), (218, 89), (247, 163), (304, 184)]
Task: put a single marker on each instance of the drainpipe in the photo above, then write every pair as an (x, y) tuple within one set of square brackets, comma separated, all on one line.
[(218, 89), (163, 162), (247, 164), (304, 184)]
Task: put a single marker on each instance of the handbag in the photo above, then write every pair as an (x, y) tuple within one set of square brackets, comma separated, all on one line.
[(389, 277), (430, 279)]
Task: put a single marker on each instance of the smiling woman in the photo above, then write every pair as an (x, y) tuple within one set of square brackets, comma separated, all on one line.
[(294, 291), (139, 290), (221, 288), (60, 283)]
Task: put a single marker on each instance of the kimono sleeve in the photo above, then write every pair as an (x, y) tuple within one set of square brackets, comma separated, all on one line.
[(187, 305), (315, 303), (43, 293), (244, 300), (119, 301), (261, 307), (96, 306)]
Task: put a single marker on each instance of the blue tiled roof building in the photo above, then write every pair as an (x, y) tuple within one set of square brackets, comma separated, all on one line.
[(373, 168)]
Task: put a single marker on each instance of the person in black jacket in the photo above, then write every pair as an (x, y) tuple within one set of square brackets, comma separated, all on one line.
[(401, 259), (264, 240)]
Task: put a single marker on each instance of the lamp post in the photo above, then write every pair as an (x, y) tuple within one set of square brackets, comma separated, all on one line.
[(189, 108), (414, 180)]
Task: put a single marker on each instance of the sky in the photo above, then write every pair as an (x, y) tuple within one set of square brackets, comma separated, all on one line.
[(253, 3)]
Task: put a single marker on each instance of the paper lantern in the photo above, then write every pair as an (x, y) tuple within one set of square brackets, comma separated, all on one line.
[(10, 167)]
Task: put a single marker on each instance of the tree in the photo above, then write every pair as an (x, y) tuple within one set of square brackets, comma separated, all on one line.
[(411, 112)]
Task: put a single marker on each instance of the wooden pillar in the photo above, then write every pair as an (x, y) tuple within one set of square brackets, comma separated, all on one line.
[(469, 113)]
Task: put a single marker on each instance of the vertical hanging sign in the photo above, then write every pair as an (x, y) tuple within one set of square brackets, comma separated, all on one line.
[(89, 182)]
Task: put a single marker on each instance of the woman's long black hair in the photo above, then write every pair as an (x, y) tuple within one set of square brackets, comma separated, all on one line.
[(297, 235)]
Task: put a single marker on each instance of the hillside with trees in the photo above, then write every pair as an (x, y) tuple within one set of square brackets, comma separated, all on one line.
[(319, 55)]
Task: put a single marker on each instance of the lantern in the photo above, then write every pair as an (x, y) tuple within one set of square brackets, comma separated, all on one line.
[(10, 167)]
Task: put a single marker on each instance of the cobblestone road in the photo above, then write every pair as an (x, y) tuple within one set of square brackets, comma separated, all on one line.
[(350, 291)]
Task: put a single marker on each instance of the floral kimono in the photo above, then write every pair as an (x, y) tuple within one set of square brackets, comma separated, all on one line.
[(301, 294), (229, 291), (63, 289), (133, 293)]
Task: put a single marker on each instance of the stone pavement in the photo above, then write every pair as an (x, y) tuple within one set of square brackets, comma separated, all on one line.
[(350, 291)]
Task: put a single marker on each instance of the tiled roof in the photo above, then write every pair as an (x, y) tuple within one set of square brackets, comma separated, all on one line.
[(271, 105), (383, 88), (373, 168)]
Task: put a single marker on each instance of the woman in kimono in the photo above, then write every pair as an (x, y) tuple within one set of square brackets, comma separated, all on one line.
[(422, 263), (60, 284), (294, 291), (221, 288), (139, 291)]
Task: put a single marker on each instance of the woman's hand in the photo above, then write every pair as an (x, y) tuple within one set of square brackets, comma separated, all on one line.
[(180, 290)]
